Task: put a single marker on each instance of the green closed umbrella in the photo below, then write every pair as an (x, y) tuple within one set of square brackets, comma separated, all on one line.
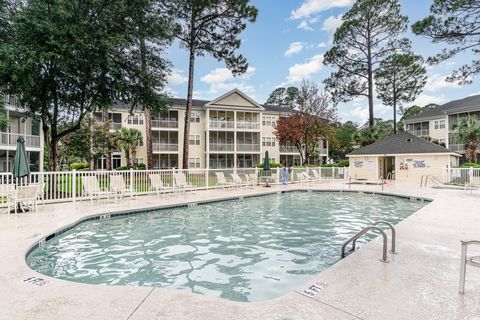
[(20, 163), (266, 167)]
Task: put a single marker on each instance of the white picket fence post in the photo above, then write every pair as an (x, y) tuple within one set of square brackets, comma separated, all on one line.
[(131, 180), (74, 185)]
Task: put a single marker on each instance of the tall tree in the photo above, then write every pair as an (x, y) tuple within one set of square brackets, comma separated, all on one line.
[(455, 23), (285, 97), (468, 132), (213, 28), (400, 79), (67, 59), (368, 135), (368, 34), (310, 123), (343, 134)]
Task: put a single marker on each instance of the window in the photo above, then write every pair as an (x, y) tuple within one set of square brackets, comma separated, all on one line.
[(116, 161), (139, 160), (439, 124), (194, 139), (135, 119), (195, 117), (269, 120), (194, 162), (268, 141), (271, 160), (140, 143)]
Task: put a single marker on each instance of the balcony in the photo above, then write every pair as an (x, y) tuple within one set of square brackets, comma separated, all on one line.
[(248, 147), (221, 124), (114, 126), (420, 132), (165, 147), (165, 124), (10, 139), (248, 125), (288, 149), (227, 147)]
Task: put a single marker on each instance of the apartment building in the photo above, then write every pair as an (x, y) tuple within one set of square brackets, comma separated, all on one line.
[(18, 126), (230, 131), (438, 124)]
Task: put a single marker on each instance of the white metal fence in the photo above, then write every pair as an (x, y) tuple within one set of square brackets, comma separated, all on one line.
[(461, 176), (66, 186)]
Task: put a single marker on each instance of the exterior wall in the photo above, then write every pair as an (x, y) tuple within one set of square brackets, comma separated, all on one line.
[(364, 167), (413, 167)]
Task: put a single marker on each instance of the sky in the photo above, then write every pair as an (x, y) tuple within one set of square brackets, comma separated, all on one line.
[(286, 45)]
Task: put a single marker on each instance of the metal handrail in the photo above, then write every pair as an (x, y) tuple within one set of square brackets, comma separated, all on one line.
[(394, 234), (425, 178), (361, 233)]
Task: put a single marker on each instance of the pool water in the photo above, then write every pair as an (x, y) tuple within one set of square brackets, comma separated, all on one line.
[(243, 250)]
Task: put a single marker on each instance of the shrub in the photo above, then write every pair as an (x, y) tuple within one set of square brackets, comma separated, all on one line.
[(79, 166), (341, 163), (272, 165), (141, 166), (122, 168), (470, 165)]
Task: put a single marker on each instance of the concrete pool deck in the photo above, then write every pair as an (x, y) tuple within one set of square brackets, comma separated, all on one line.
[(420, 282)]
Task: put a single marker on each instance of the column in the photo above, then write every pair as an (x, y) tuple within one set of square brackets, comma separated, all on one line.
[(207, 140)]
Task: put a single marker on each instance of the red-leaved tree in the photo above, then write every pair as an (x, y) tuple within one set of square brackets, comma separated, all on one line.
[(310, 122)]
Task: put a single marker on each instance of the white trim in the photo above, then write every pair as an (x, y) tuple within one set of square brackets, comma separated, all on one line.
[(243, 95)]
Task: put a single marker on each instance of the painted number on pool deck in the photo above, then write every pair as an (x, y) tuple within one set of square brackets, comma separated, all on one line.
[(315, 288), (36, 281)]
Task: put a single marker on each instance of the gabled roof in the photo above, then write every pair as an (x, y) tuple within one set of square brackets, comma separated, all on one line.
[(401, 143), (461, 105), (231, 93)]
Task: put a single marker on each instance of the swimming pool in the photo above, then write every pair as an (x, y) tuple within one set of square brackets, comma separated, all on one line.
[(249, 249)]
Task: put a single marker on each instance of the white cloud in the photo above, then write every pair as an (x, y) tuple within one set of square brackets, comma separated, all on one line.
[(221, 80), (304, 25), (360, 112), (332, 23), (300, 71), (424, 99), (437, 82), (322, 45), (312, 7), (295, 47), (176, 78)]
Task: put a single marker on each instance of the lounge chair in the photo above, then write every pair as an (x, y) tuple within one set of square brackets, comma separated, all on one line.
[(238, 181), (316, 175), (119, 188), (92, 189), (181, 182), (473, 261), (222, 181), (308, 177), (251, 179), (26, 196), (156, 184)]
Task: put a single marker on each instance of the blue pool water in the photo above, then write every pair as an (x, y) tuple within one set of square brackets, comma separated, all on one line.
[(243, 250)]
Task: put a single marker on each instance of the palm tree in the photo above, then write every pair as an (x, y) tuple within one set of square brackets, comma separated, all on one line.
[(128, 140), (468, 132)]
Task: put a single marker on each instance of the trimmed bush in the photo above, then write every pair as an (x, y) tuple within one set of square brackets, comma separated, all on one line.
[(470, 165), (122, 168), (340, 164), (272, 165), (141, 166), (79, 166)]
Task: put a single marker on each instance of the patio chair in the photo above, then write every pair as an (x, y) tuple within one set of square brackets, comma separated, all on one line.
[(251, 179), (40, 191), (308, 177), (316, 176), (26, 196), (473, 261), (222, 181), (156, 184), (93, 190), (300, 177), (238, 181), (119, 187), (181, 182)]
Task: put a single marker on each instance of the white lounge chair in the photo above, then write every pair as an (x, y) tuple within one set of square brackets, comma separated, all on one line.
[(93, 190), (119, 188), (238, 181), (316, 176), (308, 177), (473, 261), (251, 179), (181, 182), (222, 181), (156, 184), (25, 196)]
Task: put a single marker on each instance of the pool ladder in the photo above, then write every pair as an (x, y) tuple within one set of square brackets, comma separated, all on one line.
[(373, 227)]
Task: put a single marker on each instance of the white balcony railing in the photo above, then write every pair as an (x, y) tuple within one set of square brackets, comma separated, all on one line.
[(222, 147), (171, 124), (163, 147), (9, 100), (114, 126), (248, 125), (420, 132), (221, 124), (10, 139), (248, 147), (288, 149)]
